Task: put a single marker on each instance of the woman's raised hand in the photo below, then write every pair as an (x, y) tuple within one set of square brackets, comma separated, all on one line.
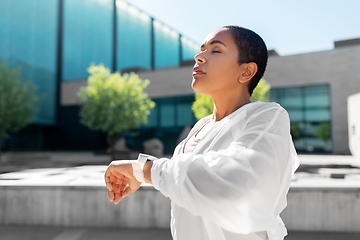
[(120, 180)]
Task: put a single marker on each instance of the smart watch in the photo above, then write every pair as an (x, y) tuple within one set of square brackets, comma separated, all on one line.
[(138, 166)]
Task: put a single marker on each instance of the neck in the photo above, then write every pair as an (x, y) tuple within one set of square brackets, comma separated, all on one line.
[(228, 103)]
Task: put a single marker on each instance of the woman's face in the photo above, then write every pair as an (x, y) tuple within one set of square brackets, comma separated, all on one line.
[(216, 70)]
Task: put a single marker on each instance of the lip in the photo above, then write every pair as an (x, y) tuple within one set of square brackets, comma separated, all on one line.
[(197, 71)]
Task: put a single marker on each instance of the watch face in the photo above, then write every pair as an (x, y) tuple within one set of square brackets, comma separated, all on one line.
[(143, 158)]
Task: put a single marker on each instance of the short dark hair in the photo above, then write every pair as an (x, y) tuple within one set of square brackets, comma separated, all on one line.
[(251, 48)]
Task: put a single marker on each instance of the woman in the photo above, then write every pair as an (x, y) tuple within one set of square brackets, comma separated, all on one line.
[(229, 178)]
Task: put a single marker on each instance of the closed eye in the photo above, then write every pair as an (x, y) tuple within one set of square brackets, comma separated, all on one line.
[(216, 51)]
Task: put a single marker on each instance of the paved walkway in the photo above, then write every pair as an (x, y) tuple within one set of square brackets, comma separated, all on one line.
[(60, 233), (324, 171), (72, 173)]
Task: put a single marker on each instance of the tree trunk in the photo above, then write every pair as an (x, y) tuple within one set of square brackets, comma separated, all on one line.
[(111, 140)]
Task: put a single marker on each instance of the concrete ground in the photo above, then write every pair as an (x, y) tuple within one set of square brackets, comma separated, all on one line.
[(61, 233), (85, 169), (64, 170)]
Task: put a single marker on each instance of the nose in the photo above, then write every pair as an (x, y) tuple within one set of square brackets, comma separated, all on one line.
[(199, 58)]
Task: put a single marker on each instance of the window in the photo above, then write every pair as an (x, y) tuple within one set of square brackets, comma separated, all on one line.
[(309, 112), (166, 122)]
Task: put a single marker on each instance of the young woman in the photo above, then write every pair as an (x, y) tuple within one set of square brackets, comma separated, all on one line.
[(229, 178)]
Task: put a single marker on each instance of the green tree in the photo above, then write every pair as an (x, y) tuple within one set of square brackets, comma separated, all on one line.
[(204, 105), (18, 102), (323, 131), (261, 92), (296, 131), (114, 103)]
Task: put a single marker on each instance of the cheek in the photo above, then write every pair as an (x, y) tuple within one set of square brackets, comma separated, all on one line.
[(224, 65), (226, 71), (221, 74)]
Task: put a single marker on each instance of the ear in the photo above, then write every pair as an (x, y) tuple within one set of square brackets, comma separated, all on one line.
[(248, 71)]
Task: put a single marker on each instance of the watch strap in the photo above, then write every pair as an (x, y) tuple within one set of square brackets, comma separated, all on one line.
[(138, 166)]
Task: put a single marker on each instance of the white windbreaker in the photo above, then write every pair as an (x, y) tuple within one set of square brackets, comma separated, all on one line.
[(234, 183)]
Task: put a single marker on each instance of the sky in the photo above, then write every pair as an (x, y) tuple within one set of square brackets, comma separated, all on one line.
[(287, 26)]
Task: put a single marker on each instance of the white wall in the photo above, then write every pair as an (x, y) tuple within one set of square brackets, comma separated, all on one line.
[(354, 124)]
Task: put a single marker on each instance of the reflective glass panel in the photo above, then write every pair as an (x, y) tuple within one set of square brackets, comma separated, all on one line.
[(133, 37), (87, 36), (309, 112), (189, 49), (184, 114), (153, 118), (167, 113), (167, 46), (28, 37)]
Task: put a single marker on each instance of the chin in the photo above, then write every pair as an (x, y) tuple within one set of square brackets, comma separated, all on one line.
[(195, 86), (199, 87)]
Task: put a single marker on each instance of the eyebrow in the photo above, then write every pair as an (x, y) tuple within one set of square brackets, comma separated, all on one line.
[(214, 42)]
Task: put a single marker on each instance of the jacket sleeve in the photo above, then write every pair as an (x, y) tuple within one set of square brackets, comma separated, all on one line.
[(236, 188)]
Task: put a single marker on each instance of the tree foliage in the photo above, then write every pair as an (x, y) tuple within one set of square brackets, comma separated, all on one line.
[(114, 103), (204, 105), (323, 131), (18, 101), (261, 92), (296, 131)]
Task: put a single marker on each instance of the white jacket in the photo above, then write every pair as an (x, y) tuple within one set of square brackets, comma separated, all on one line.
[(234, 183)]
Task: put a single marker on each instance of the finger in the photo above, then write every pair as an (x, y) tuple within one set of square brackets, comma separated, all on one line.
[(117, 188), (119, 193), (119, 181), (109, 185), (107, 175), (128, 191), (111, 196), (123, 186), (118, 198), (133, 185), (113, 178), (117, 184)]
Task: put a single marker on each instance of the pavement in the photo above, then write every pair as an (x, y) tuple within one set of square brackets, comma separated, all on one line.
[(62, 233), (88, 170)]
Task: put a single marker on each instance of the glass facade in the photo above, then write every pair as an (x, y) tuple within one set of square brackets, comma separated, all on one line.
[(28, 38), (133, 37), (167, 46), (28, 33), (141, 42), (309, 111), (166, 122), (173, 112), (189, 49), (87, 36)]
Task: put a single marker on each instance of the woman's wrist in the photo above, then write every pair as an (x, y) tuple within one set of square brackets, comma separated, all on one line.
[(147, 171)]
